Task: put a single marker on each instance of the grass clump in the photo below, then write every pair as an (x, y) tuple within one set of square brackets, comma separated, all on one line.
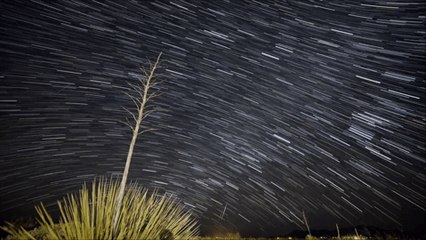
[(90, 215), (310, 237)]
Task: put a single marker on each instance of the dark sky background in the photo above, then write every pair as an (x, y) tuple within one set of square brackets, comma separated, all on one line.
[(268, 107)]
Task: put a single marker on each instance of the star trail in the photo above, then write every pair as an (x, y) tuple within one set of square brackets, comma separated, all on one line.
[(268, 108)]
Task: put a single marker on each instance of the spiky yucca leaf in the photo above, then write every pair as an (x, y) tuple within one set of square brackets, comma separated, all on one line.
[(17, 232), (89, 215)]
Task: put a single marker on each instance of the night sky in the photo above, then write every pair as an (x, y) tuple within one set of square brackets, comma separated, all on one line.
[(269, 108)]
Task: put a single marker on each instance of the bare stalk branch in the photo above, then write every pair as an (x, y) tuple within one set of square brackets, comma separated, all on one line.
[(157, 83), (134, 100), (147, 130), (144, 72), (134, 87), (127, 124), (148, 113), (153, 95), (131, 114)]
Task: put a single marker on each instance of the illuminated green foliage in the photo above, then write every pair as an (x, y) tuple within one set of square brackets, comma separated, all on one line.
[(89, 215)]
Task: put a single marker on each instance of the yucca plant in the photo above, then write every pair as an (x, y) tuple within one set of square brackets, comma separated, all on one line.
[(114, 210), (90, 215)]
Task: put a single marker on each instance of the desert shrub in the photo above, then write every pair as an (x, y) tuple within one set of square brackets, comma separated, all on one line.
[(310, 237), (89, 215)]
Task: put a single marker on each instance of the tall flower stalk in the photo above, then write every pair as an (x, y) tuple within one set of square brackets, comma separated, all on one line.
[(141, 103)]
